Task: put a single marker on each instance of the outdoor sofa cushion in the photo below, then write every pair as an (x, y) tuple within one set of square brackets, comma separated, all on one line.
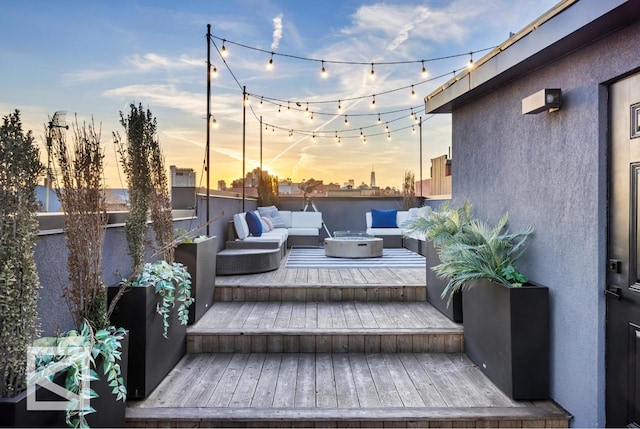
[(383, 218), (272, 213), (255, 226)]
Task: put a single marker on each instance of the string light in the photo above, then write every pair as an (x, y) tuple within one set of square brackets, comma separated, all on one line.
[(290, 134), (346, 121), (323, 72), (411, 114), (214, 72), (288, 107), (270, 63), (225, 53), (279, 109), (215, 123), (379, 120), (373, 102), (470, 65), (413, 129), (246, 100), (261, 100), (273, 129), (388, 136), (306, 111), (313, 136), (311, 117), (386, 128), (373, 73), (339, 107), (361, 134), (364, 140), (339, 141), (424, 70), (413, 92)]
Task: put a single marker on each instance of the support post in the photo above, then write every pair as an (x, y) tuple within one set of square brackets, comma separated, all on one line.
[(244, 143), (208, 144)]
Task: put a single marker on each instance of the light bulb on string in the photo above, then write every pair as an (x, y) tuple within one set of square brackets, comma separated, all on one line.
[(346, 121), (246, 100), (372, 75), (411, 113), (290, 134), (470, 65), (279, 109), (273, 129), (306, 111), (413, 92), (313, 137), (386, 128), (339, 141), (225, 52), (339, 107), (379, 119), (373, 102), (311, 117), (413, 129), (361, 134), (323, 72), (424, 70), (364, 140), (388, 136), (270, 63), (415, 118), (336, 135), (214, 72), (288, 107), (261, 101), (215, 123)]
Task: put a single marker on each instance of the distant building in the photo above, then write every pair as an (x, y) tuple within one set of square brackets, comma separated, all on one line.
[(183, 188), (222, 185), (440, 181), (373, 178)]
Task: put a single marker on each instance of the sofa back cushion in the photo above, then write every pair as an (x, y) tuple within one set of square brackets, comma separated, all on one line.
[(272, 213), (255, 226), (306, 220), (286, 218), (384, 218), (240, 224)]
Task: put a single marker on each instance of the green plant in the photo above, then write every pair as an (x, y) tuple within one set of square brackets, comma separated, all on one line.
[(173, 283), (135, 152), (184, 236), (442, 224), (482, 252), (161, 215), (267, 190), (104, 343), (19, 284), (409, 199)]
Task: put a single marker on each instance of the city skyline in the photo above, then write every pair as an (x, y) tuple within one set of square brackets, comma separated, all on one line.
[(93, 59)]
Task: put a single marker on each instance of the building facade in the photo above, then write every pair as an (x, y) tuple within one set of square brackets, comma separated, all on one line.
[(570, 174)]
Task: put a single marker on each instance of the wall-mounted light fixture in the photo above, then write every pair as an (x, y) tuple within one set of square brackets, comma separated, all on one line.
[(543, 100)]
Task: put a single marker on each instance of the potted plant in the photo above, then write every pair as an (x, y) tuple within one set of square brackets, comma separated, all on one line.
[(143, 303), (79, 187), (19, 284), (198, 255), (506, 319), (439, 226)]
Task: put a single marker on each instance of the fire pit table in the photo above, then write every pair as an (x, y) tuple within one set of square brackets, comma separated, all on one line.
[(353, 244)]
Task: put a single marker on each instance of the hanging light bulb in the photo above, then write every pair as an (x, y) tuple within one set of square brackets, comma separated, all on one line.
[(225, 53), (215, 123), (339, 107), (386, 128), (266, 127), (372, 75), (411, 114), (413, 129), (246, 100), (313, 136), (470, 65), (288, 107), (415, 117), (261, 99), (361, 134), (373, 102), (323, 72), (279, 109), (379, 120), (214, 72), (306, 111), (424, 70), (290, 134), (364, 140), (346, 121), (388, 136), (273, 129), (413, 92), (270, 63), (339, 141), (311, 117)]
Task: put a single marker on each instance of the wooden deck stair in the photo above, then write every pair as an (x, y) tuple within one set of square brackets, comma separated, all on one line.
[(330, 348)]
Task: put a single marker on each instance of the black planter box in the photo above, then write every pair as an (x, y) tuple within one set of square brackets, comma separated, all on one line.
[(151, 356), (109, 411), (200, 260), (435, 287), (506, 333)]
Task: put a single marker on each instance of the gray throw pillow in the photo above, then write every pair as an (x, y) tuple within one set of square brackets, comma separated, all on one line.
[(272, 213)]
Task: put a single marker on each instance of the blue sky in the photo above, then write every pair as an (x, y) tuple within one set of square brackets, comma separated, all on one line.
[(94, 58)]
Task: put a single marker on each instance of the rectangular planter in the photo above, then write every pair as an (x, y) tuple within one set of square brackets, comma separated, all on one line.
[(506, 333), (151, 356), (435, 287), (200, 260), (109, 411)]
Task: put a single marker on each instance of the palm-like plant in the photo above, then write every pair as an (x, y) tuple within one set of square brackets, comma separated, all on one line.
[(441, 224), (482, 252)]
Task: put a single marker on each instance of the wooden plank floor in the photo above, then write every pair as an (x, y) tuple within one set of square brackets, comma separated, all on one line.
[(313, 276), (325, 380), (322, 315)]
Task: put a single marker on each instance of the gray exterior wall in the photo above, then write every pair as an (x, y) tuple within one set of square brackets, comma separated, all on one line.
[(550, 171)]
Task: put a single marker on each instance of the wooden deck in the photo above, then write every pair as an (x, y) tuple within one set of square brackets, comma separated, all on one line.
[(330, 348)]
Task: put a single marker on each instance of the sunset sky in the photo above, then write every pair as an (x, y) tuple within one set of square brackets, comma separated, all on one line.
[(94, 58)]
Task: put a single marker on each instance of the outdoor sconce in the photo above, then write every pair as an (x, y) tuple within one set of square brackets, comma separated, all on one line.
[(545, 99)]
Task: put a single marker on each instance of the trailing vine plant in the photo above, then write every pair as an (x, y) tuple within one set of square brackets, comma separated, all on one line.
[(20, 168)]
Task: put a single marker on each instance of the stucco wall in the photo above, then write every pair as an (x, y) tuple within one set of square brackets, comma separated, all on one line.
[(550, 171)]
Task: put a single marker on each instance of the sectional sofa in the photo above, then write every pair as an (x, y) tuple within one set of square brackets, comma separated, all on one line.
[(390, 226)]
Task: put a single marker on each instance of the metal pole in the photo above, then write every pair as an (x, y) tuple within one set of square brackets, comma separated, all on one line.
[(421, 156), (261, 175), (244, 129), (208, 117)]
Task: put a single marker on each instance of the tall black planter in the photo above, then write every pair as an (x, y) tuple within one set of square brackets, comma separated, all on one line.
[(200, 260), (151, 356), (109, 411), (435, 287), (506, 333)]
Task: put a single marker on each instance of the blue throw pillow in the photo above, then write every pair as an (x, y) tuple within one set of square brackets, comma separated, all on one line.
[(255, 226), (383, 218)]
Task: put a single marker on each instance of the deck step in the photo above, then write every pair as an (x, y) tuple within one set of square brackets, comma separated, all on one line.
[(338, 327), (321, 292), (334, 390)]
